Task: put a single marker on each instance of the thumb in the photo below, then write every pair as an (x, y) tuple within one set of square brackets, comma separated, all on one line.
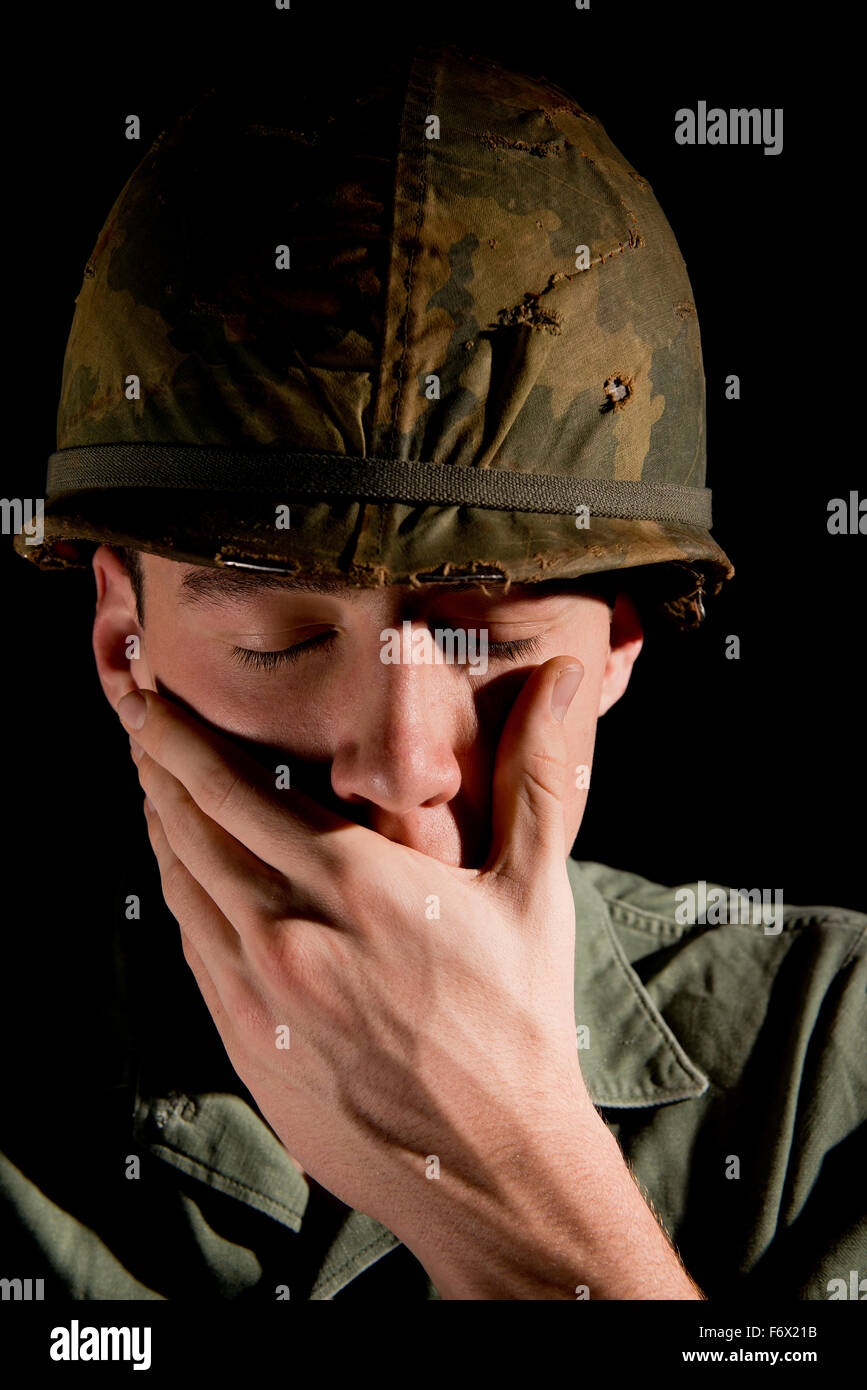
[(531, 773)]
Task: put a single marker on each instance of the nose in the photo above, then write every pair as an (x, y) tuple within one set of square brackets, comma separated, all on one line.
[(397, 733)]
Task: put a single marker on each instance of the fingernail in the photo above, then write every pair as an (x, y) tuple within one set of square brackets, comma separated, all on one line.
[(565, 686), (132, 710), (136, 749), (148, 804)]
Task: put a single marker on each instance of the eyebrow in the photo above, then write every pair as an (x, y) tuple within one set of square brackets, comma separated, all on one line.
[(202, 585)]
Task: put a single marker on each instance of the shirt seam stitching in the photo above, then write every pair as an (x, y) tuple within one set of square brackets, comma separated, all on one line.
[(855, 944), (224, 1177), (358, 1254)]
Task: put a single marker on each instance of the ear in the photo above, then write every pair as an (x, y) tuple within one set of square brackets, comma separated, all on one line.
[(118, 637), (626, 641)]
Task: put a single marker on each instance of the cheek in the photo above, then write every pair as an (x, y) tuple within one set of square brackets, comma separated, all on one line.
[(268, 708)]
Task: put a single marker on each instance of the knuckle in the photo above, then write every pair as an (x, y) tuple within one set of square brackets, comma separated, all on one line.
[(154, 754), (280, 953), (270, 951), (168, 820), (546, 775), (338, 869), (222, 789), (272, 899), (191, 955), (242, 1005), (145, 773), (173, 879)]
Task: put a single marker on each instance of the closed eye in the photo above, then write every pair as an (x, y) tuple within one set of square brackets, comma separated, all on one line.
[(268, 661), (522, 646)]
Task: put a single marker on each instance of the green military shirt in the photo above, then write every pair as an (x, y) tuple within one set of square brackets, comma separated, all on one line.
[(729, 1061)]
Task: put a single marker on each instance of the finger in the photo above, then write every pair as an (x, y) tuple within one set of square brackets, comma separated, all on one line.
[(229, 787), (214, 939), (208, 990), (244, 888), (531, 774)]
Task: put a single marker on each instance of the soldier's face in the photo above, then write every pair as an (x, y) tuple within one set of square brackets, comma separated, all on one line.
[(404, 747)]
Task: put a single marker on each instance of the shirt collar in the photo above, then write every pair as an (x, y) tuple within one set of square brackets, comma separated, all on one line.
[(629, 1055), (192, 1110)]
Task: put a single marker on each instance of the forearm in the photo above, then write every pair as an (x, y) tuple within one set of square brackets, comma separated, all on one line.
[(564, 1222)]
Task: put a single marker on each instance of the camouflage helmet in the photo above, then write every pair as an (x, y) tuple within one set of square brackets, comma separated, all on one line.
[(431, 327)]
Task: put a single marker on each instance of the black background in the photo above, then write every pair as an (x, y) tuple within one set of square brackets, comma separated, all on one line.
[(744, 772)]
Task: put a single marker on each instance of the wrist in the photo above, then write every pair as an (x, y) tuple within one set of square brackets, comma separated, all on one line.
[(564, 1220)]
